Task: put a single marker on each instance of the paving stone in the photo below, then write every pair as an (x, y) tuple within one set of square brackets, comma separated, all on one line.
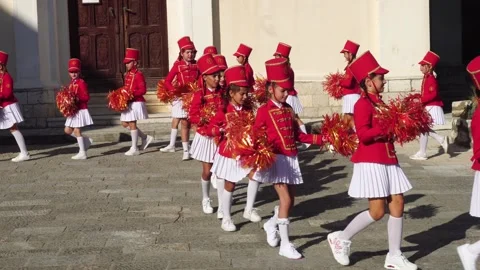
[(117, 212)]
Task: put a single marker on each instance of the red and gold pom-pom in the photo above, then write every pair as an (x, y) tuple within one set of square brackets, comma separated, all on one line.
[(259, 94), (187, 88), (332, 85), (187, 97), (257, 152), (339, 134), (404, 118), (250, 146), (66, 102), (163, 94), (118, 99), (207, 112)]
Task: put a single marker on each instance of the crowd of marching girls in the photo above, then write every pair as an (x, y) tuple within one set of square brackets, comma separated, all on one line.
[(249, 127)]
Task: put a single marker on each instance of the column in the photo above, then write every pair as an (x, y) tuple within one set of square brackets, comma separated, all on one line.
[(189, 18), (48, 44), (26, 44)]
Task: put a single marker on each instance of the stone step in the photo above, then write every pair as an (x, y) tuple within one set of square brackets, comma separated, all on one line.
[(98, 104)]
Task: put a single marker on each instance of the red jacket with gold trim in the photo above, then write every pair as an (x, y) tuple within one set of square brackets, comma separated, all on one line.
[(201, 99), (349, 84), (135, 82), (183, 73), (249, 74), (6, 90), (430, 95), (219, 122), (373, 146), (282, 128), (475, 129), (80, 88)]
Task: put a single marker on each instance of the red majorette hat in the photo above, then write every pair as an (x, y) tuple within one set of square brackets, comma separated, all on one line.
[(430, 58), (74, 65), (243, 50), (185, 43), (365, 65), (278, 72), (3, 58), (350, 47), (283, 49), (221, 61), (210, 49), (207, 65), (236, 75), (131, 54), (473, 68)]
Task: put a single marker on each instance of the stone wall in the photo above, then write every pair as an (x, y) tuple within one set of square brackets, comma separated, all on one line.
[(37, 105), (317, 103)]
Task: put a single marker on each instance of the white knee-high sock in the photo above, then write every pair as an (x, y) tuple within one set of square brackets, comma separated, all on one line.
[(141, 134), (437, 137), (474, 248), (303, 128), (360, 222), (395, 230), (252, 190), (283, 224), (226, 203), (423, 143), (205, 189), (173, 136), (20, 141), (81, 144), (134, 134), (220, 188), (185, 146), (73, 135)]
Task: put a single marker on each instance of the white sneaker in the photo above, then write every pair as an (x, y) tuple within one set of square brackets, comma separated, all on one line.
[(418, 156), (213, 180), (186, 155), (398, 262), (340, 248), (146, 142), (272, 233), (445, 144), (228, 226), (207, 206), (302, 147), (168, 149), (219, 213), (331, 149), (252, 215), (132, 152), (21, 157), (80, 155), (288, 250), (88, 143), (468, 259)]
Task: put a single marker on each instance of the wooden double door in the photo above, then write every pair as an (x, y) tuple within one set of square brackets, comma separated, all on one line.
[(99, 34)]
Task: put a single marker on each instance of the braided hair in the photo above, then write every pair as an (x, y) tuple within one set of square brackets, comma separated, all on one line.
[(363, 85)]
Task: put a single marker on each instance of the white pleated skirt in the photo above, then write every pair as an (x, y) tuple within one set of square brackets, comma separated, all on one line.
[(10, 115), (177, 109), (294, 101), (203, 148), (348, 102), (137, 110), (285, 170), (475, 202), (81, 119), (436, 112), (228, 169), (373, 180)]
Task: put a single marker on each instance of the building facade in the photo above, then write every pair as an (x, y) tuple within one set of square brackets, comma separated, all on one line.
[(41, 35)]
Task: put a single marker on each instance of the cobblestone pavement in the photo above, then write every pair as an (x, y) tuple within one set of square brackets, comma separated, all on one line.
[(144, 212)]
